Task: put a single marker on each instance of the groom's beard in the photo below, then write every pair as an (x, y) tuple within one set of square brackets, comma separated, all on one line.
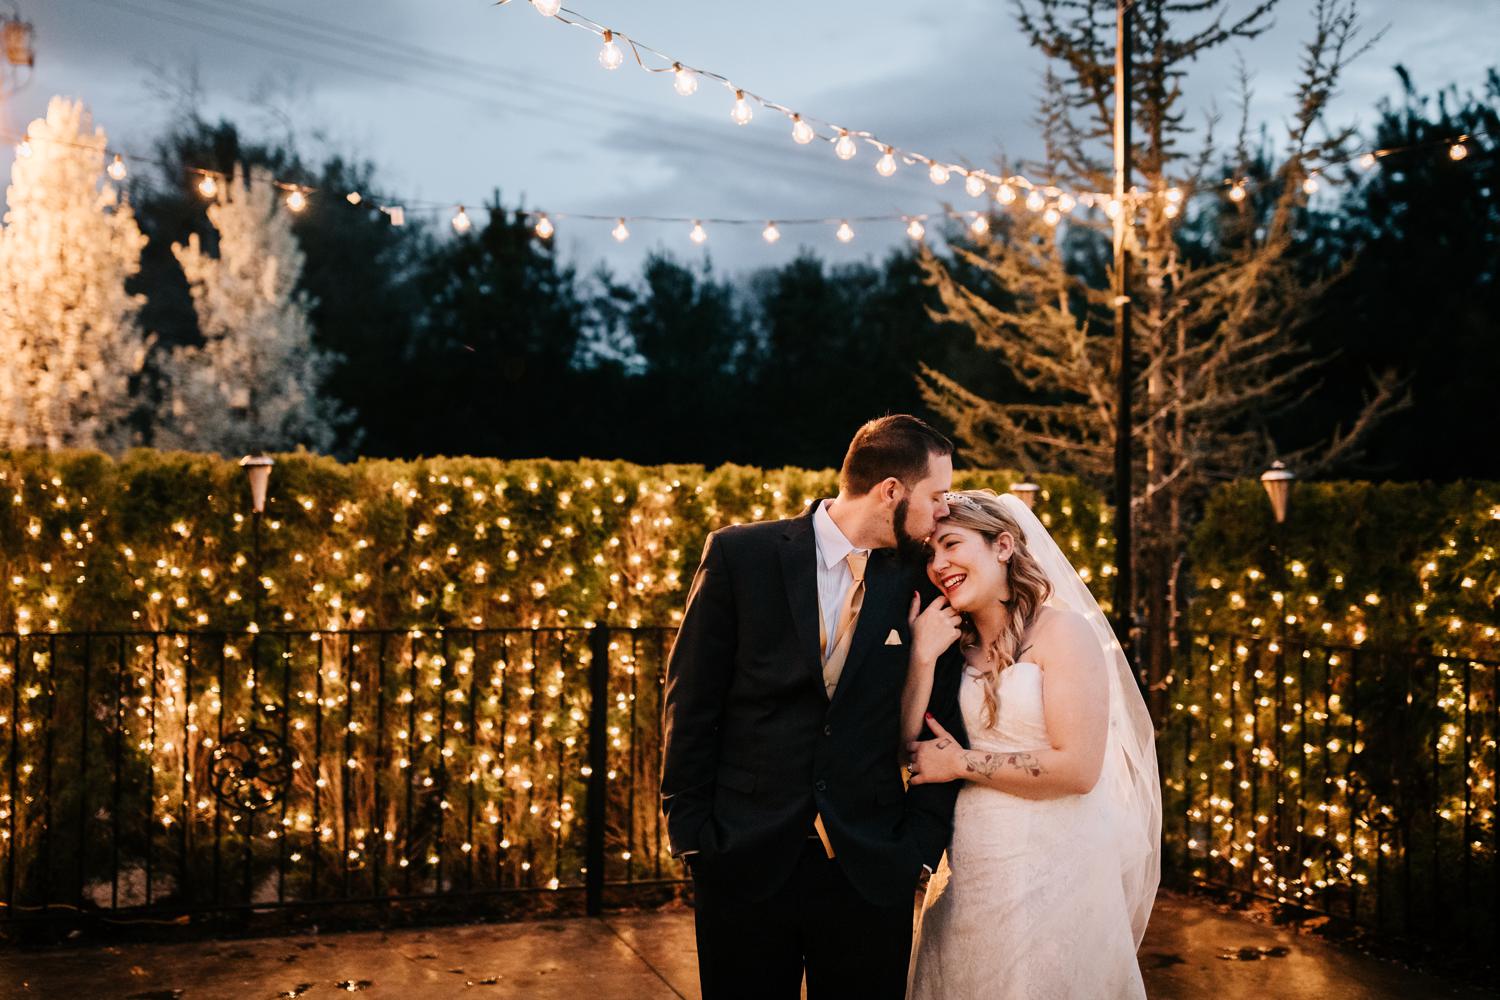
[(908, 548)]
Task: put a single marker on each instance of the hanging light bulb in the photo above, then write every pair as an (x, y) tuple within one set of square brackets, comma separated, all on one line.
[(802, 132), (741, 112), (886, 165), (354, 197), (461, 222), (1171, 209), (208, 187), (396, 213), (845, 232), (685, 81), (1066, 203), (1174, 196), (1112, 208), (937, 173), (621, 233), (845, 149), (980, 225), (296, 201), (1237, 192), (116, 169), (1310, 185), (698, 235), (770, 234), (1052, 216), (610, 57), (1367, 161), (915, 229), (547, 8), (1005, 194), (1458, 151), (1035, 201), (974, 185), (544, 228)]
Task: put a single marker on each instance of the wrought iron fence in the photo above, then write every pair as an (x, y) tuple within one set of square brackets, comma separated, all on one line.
[(175, 774), (1353, 782), (182, 773)]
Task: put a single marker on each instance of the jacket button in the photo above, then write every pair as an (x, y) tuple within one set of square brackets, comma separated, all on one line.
[(827, 730), (821, 785)]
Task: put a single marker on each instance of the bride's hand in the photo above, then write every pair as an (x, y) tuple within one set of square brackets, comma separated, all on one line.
[(936, 760), (933, 630)]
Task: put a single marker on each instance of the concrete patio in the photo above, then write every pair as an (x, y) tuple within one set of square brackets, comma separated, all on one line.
[(1192, 950)]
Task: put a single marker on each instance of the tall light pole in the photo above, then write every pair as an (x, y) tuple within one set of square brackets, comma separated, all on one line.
[(1124, 219)]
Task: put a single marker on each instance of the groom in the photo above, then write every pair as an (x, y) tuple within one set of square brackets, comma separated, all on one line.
[(781, 778)]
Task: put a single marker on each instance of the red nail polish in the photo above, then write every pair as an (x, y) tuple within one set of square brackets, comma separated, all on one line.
[(927, 715)]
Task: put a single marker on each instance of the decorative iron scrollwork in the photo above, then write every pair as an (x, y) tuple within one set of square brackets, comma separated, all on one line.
[(251, 769)]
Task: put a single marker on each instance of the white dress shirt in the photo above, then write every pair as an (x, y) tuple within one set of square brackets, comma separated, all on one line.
[(834, 578)]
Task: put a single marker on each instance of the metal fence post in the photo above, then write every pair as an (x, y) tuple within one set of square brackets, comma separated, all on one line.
[(594, 816)]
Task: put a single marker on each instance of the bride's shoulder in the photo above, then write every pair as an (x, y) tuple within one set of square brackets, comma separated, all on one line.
[(1059, 631)]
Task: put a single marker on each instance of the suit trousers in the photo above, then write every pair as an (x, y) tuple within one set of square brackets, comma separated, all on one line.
[(817, 922)]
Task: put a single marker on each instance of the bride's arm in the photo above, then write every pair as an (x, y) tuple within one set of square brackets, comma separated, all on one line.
[(1075, 702), (932, 632)]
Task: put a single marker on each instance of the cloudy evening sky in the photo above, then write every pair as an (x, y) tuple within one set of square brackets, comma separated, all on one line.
[(454, 98)]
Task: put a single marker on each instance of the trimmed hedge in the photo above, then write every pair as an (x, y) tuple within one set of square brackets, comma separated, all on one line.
[(164, 540)]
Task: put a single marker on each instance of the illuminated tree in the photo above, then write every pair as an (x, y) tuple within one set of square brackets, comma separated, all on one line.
[(255, 383), (69, 332)]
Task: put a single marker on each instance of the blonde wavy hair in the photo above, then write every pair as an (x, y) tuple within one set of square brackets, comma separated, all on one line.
[(982, 511)]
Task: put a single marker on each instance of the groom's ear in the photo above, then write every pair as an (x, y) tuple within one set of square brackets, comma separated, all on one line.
[(891, 489)]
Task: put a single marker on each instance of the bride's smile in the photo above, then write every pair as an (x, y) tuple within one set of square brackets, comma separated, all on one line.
[(968, 568)]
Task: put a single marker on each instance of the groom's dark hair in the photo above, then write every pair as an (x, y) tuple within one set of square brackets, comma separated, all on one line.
[(898, 445)]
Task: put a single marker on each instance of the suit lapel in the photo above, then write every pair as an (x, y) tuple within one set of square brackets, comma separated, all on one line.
[(883, 578), (799, 570)]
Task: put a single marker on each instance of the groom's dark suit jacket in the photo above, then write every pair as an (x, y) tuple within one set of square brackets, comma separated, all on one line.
[(753, 746)]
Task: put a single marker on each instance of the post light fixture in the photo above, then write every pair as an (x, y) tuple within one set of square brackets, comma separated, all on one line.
[(1028, 492), (258, 468), (1278, 481)]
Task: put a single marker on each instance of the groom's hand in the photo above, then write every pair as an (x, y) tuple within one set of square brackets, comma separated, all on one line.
[(936, 760)]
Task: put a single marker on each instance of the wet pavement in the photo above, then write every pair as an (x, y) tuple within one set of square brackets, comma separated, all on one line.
[(1191, 950)]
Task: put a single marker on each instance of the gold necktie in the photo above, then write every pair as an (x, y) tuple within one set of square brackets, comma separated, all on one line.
[(852, 600)]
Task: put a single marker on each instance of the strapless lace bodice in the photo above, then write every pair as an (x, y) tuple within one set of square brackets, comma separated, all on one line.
[(1020, 723)]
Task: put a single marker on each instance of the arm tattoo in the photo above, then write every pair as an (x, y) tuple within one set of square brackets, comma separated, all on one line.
[(988, 763)]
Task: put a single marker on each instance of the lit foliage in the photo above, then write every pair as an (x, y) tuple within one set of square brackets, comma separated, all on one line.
[(1315, 773), (468, 748)]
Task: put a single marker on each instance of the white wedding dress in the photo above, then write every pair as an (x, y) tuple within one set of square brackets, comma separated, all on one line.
[(1028, 903)]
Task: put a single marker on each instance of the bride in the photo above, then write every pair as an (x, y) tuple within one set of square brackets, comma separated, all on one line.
[(1046, 888)]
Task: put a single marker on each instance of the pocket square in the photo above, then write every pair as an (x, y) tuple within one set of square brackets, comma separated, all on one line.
[(893, 639)]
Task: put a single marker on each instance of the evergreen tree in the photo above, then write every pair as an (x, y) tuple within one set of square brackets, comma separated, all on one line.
[(70, 334), (255, 382)]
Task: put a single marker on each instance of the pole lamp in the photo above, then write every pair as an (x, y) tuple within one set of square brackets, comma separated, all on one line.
[(1278, 480), (1028, 492), (258, 471)]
